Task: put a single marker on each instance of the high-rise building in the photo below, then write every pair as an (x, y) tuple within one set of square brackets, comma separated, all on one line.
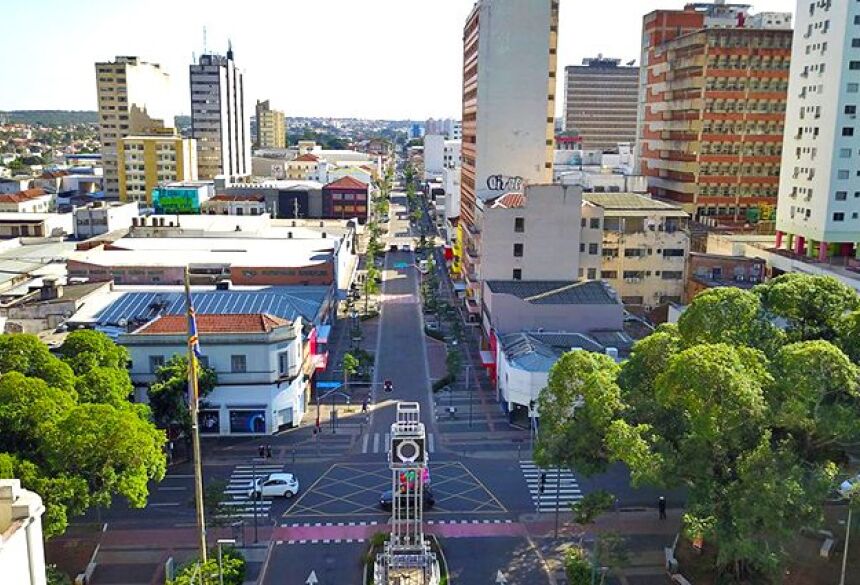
[(509, 84), (133, 98), (713, 90), (151, 160), (219, 121), (819, 192), (271, 127), (600, 101)]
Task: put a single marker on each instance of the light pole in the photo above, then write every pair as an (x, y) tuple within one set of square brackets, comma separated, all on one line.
[(257, 495), (850, 490), (845, 550), (222, 541), (469, 390)]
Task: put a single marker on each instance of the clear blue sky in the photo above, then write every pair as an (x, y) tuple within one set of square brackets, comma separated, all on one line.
[(363, 58)]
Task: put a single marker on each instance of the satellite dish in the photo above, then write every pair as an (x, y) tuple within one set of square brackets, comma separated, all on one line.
[(631, 63)]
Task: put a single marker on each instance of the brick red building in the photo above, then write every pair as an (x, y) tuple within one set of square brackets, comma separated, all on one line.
[(716, 270), (346, 198)]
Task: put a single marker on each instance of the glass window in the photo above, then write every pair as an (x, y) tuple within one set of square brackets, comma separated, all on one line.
[(595, 223), (673, 252), (519, 224), (593, 248), (841, 195), (518, 250), (853, 87), (284, 363), (155, 362), (838, 216), (592, 273), (518, 274), (210, 421), (238, 364), (843, 174), (248, 421)]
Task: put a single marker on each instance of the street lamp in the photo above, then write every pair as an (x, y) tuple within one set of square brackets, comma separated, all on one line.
[(849, 490), (222, 541)]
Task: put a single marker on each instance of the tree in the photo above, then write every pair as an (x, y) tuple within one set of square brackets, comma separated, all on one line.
[(370, 286), (217, 513), (453, 362), (813, 306), (577, 567), (105, 385), (168, 395), (580, 400), (350, 367), (209, 573), (24, 353), (85, 349)]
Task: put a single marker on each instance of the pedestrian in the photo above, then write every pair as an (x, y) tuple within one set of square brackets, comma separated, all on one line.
[(268, 451), (661, 506), (261, 450)]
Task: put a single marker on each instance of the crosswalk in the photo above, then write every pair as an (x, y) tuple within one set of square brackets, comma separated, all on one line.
[(240, 505), (381, 442), (563, 490)]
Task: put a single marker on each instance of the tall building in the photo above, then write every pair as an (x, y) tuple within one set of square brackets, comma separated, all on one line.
[(819, 192), (509, 84), (600, 100), (219, 121), (151, 160), (271, 127), (713, 90), (133, 98)]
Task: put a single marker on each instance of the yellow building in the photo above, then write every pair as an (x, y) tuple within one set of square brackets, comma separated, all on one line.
[(147, 161), (271, 127)]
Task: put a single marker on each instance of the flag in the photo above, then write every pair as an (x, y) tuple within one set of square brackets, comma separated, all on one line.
[(193, 338)]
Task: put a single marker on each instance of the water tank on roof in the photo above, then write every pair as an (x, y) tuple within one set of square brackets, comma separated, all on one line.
[(612, 352)]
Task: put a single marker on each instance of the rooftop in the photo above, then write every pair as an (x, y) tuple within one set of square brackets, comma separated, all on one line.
[(225, 197), (555, 292), (307, 157), (347, 182), (213, 323), (537, 351), (510, 201), (21, 196)]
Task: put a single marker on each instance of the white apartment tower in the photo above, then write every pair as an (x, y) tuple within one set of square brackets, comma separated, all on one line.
[(818, 213), (133, 98), (219, 121)]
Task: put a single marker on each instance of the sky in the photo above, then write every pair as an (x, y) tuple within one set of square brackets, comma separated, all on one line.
[(391, 59)]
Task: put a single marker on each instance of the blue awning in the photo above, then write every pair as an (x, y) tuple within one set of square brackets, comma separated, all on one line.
[(323, 331)]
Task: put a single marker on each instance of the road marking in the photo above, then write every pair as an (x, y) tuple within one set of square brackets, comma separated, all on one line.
[(163, 504), (431, 443), (560, 490), (163, 488), (387, 442), (376, 442), (364, 441)]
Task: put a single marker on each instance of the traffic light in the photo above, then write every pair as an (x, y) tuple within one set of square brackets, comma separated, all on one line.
[(542, 482), (388, 386)]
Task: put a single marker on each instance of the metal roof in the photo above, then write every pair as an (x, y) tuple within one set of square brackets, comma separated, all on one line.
[(555, 292), (145, 306)]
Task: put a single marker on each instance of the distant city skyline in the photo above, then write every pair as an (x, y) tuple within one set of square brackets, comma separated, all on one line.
[(333, 58)]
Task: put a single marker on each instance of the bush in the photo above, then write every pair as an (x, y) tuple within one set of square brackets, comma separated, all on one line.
[(577, 567), (196, 573), (372, 314), (442, 382), (55, 576), (435, 334)]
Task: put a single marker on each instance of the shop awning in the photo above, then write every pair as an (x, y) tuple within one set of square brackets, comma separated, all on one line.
[(488, 358), (323, 331), (459, 286)]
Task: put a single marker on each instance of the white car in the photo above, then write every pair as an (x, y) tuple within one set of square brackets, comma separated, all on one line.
[(284, 485)]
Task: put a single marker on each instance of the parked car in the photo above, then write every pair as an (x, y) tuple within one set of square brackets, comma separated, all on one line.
[(276, 485), (386, 499)]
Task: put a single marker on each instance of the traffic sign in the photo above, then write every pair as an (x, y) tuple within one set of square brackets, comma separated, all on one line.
[(329, 385), (401, 265)]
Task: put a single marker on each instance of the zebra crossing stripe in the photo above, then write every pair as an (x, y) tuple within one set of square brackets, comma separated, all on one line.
[(560, 489)]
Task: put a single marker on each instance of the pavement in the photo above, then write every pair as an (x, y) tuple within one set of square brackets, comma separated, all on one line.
[(489, 513)]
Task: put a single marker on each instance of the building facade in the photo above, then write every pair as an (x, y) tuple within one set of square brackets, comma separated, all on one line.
[(97, 218), (713, 91), (271, 127), (637, 245), (22, 547), (819, 193), (346, 198), (151, 160), (235, 205), (219, 121), (258, 359), (509, 84), (181, 197), (133, 98), (600, 99)]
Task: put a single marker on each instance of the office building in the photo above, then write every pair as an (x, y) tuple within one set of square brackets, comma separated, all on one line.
[(219, 121), (133, 99), (147, 161), (600, 99), (509, 79), (271, 127), (712, 95), (818, 214)]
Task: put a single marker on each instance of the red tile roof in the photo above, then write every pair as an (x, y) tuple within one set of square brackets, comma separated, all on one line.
[(307, 157), (178, 324), (347, 182), (510, 201), (21, 196), (225, 197)]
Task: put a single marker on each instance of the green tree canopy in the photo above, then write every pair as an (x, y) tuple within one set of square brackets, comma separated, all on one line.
[(24, 353), (85, 349), (168, 395)]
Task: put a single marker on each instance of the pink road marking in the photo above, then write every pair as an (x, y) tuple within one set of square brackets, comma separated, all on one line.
[(477, 530)]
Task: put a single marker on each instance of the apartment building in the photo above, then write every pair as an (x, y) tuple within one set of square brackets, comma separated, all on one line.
[(509, 84), (147, 161), (219, 121), (636, 244), (818, 214), (271, 127), (600, 100), (133, 99), (713, 91)]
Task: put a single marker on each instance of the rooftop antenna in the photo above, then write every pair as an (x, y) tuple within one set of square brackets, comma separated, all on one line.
[(204, 41), (230, 49)]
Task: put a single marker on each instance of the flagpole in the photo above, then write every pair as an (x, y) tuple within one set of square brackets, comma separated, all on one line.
[(193, 404)]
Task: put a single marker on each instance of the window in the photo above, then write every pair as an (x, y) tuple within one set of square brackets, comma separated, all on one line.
[(844, 153), (238, 364), (851, 110), (518, 250), (592, 273), (634, 252), (854, 65), (608, 274), (853, 87), (584, 221), (284, 363), (204, 361), (855, 42), (673, 252), (155, 362), (848, 131), (838, 216), (843, 174), (519, 224), (582, 246), (593, 248), (518, 274), (841, 195), (594, 223), (672, 275)]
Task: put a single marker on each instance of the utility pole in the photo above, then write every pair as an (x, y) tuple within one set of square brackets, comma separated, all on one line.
[(193, 406), (557, 492), (469, 390)]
